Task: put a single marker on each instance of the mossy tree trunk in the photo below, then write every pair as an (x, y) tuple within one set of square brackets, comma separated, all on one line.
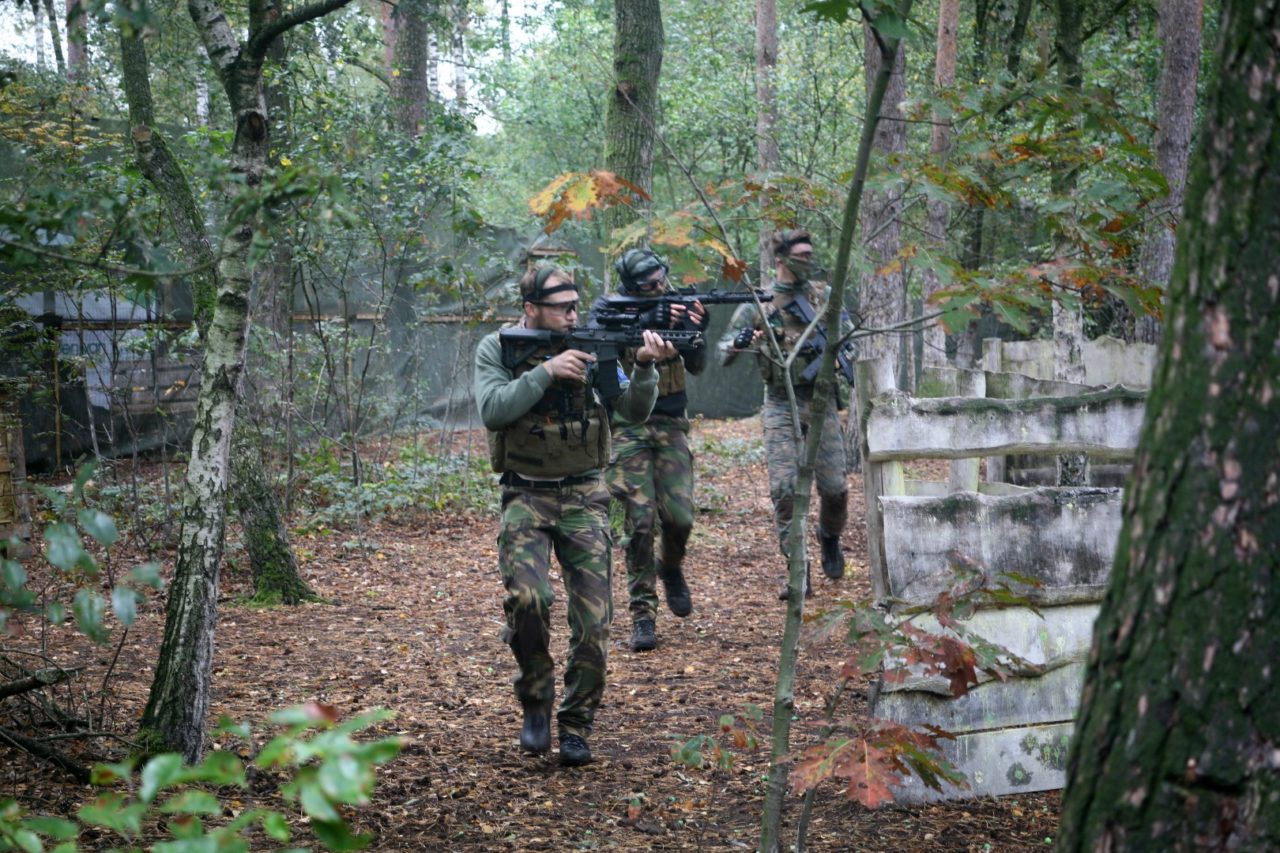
[(1176, 744), (276, 579), (179, 698)]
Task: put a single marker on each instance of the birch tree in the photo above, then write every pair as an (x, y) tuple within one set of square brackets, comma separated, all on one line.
[(179, 699)]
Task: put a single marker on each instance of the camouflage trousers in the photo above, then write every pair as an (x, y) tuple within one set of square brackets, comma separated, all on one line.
[(652, 477), (784, 466), (574, 522)]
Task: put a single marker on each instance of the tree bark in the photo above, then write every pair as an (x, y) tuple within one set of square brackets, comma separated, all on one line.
[(179, 698), (882, 299), (410, 40), (77, 55), (276, 579), (1178, 28), (55, 36), (1175, 746), (632, 113), (767, 156), (938, 211)]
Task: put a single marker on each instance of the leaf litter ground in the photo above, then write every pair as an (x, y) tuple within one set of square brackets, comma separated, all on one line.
[(414, 626)]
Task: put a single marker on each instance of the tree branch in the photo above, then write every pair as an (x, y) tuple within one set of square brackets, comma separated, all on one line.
[(261, 40), (36, 680)]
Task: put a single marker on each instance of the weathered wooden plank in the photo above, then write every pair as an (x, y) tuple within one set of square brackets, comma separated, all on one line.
[(1052, 698), (1111, 361), (1007, 761), (1064, 537), (1019, 386), (875, 376), (1104, 423), (1055, 638)]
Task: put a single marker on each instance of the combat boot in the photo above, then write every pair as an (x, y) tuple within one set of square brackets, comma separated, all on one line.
[(535, 734), (832, 557), (676, 589), (643, 636), (784, 594), (574, 751)]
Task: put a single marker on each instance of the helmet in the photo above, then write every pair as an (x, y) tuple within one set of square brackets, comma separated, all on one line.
[(636, 266)]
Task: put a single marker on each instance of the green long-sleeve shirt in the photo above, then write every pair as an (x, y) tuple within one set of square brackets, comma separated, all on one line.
[(502, 398)]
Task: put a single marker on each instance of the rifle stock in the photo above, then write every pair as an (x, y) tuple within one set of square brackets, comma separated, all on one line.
[(803, 311)]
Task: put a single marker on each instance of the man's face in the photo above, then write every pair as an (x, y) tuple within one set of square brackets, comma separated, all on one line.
[(558, 312), (796, 263), (653, 284)]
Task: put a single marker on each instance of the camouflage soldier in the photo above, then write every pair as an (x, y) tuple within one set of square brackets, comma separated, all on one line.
[(549, 440), (793, 254), (652, 469)]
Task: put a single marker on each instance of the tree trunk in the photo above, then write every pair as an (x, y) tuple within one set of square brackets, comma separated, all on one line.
[(767, 157), (461, 21), (784, 690), (276, 579), (410, 41), (77, 56), (882, 300), (179, 698), (1175, 746), (55, 36), (938, 211), (1178, 29), (630, 123)]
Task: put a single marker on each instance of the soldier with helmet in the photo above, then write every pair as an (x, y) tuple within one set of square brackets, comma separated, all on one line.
[(793, 256), (549, 439), (652, 469)]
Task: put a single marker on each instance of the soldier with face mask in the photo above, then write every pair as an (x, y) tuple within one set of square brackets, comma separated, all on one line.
[(549, 439), (795, 275), (652, 469)]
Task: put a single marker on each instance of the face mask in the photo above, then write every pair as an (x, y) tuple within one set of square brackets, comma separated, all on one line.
[(802, 270)]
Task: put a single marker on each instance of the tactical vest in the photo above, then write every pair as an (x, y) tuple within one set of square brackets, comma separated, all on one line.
[(671, 373), (787, 328), (565, 433)]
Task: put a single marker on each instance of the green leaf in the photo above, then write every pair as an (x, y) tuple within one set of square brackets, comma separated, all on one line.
[(27, 841), (218, 768), (192, 802), (54, 827), (203, 844), (274, 825), (83, 476), (891, 25), (228, 726), (346, 780), (109, 810), (55, 613), (14, 576), (109, 774), (148, 575), (336, 836), (63, 547), (124, 603), (274, 752), (89, 608), (315, 804), (100, 526), (161, 772), (837, 11)]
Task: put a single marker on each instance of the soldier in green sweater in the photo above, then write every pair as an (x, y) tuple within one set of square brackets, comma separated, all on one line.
[(549, 439)]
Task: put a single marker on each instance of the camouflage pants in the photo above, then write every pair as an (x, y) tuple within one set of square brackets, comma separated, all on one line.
[(652, 477), (784, 466), (574, 522)]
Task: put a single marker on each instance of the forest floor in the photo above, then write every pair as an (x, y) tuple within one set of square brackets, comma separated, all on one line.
[(413, 626)]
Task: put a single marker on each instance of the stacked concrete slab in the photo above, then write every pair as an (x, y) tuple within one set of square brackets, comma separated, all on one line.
[(1011, 736)]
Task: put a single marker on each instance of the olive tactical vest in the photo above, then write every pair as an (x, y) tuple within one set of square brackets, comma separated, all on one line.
[(671, 373), (565, 433), (787, 328)]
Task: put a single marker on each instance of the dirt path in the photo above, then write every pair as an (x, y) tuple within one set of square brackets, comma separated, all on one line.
[(416, 629)]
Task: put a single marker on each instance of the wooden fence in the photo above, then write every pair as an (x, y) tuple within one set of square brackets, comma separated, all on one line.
[(1010, 736)]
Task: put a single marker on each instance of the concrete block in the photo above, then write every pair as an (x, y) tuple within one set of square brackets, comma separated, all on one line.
[(1064, 537)]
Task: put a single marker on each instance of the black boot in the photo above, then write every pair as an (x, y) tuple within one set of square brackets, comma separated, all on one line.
[(535, 735), (574, 751), (677, 590), (784, 594), (643, 636), (832, 557)]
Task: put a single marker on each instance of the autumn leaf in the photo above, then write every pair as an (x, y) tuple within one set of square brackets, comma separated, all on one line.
[(576, 195)]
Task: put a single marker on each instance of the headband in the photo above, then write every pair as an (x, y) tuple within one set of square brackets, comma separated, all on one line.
[(541, 291)]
